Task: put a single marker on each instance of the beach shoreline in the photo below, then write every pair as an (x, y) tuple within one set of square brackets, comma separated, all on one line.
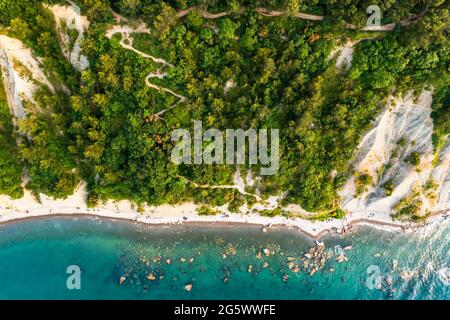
[(95, 217), (384, 226), (314, 230), (195, 223), (28, 207), (359, 210)]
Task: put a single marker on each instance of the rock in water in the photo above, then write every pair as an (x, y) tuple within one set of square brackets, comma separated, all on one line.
[(394, 264), (444, 275), (408, 274), (290, 258), (151, 277)]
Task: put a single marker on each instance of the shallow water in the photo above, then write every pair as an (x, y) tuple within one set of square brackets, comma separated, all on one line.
[(34, 256)]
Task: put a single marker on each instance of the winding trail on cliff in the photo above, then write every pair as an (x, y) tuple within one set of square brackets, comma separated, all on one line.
[(127, 43), (240, 187)]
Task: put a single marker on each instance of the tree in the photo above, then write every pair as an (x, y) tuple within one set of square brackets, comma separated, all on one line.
[(20, 28)]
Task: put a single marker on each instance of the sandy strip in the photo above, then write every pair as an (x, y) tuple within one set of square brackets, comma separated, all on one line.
[(75, 205), (193, 223), (218, 224)]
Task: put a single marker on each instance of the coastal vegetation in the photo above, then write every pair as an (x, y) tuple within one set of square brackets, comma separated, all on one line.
[(10, 164), (105, 125), (362, 181), (388, 187), (206, 211), (410, 208)]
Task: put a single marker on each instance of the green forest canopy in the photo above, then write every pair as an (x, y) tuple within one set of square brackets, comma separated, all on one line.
[(103, 131)]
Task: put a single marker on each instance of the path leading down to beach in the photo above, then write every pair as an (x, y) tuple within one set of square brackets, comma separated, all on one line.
[(238, 185), (127, 43)]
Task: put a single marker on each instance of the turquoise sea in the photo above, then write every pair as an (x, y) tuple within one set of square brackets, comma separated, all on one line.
[(219, 262)]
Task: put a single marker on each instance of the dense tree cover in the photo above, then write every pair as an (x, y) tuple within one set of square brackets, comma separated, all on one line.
[(106, 135), (44, 142), (10, 166), (337, 12)]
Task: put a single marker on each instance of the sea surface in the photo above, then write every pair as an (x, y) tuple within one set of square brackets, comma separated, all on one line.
[(40, 259)]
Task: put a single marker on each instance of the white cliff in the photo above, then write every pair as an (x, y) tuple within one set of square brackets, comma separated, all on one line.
[(402, 131), (70, 18), (21, 72)]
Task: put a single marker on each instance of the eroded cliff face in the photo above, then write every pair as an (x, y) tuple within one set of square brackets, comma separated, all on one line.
[(441, 176), (22, 73), (69, 18), (396, 168)]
